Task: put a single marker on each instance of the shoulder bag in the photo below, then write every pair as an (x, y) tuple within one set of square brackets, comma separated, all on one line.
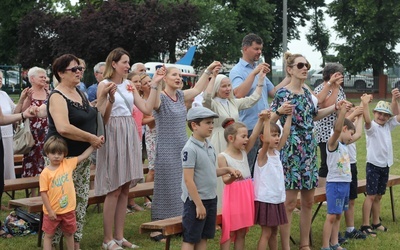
[(23, 139)]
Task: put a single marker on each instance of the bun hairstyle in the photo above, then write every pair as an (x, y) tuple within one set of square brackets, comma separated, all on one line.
[(289, 60), (231, 127)]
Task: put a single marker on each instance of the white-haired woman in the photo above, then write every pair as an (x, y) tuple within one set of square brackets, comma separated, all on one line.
[(33, 162), (218, 97)]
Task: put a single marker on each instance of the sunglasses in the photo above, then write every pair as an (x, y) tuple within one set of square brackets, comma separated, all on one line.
[(301, 65), (74, 69)]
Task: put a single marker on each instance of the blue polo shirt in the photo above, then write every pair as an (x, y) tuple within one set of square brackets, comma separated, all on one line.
[(202, 158), (92, 92), (238, 75)]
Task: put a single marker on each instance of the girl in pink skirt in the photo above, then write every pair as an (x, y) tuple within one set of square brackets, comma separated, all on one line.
[(269, 184), (238, 196)]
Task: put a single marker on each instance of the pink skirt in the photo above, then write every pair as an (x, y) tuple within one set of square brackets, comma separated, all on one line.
[(270, 215), (237, 207)]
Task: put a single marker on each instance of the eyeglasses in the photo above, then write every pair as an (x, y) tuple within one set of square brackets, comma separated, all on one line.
[(74, 69), (301, 65)]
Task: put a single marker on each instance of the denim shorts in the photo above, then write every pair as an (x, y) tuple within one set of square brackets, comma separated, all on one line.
[(194, 230), (337, 197)]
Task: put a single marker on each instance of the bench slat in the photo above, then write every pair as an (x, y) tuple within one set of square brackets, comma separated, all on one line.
[(35, 204)]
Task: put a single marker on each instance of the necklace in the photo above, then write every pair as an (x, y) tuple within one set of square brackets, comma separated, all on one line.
[(165, 92)]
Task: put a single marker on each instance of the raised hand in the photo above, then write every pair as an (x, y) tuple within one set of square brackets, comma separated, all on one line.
[(160, 74), (336, 78), (366, 98)]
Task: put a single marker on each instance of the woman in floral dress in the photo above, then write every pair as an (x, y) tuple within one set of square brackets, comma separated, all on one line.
[(33, 162), (298, 156)]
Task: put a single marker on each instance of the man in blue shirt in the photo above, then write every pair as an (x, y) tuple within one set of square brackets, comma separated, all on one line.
[(98, 74), (244, 78)]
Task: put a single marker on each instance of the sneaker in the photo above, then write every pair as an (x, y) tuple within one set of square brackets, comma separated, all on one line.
[(342, 240), (355, 234)]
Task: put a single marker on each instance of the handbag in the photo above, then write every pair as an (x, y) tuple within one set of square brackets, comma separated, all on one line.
[(23, 140)]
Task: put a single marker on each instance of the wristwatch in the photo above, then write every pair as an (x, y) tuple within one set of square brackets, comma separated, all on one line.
[(277, 112)]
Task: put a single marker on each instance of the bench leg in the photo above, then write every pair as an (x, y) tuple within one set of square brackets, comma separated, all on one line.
[(392, 204), (40, 233), (167, 242)]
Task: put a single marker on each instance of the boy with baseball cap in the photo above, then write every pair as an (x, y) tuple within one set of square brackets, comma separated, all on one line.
[(379, 159), (199, 181)]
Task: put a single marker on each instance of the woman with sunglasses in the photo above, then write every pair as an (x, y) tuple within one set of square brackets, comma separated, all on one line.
[(71, 117), (299, 153)]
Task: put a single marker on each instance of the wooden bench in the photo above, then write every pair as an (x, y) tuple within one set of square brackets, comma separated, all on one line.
[(18, 159), (320, 196), (27, 183), (169, 227), (35, 204)]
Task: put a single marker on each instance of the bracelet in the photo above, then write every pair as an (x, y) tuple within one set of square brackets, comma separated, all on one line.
[(22, 115), (109, 99), (154, 87), (207, 72), (260, 85)]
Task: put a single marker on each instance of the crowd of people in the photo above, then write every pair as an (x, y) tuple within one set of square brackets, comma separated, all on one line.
[(265, 151)]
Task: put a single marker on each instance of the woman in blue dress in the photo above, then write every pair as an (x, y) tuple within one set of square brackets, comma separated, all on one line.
[(170, 116)]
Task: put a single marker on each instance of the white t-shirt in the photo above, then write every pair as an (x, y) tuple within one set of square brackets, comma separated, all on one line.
[(119, 107), (338, 162), (379, 143), (269, 182), (352, 152), (7, 107)]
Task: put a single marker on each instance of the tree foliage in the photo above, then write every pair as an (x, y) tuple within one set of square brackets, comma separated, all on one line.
[(370, 29), (144, 30), (318, 35)]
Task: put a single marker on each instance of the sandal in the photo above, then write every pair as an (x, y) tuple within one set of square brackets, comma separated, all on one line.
[(336, 247), (135, 207), (110, 246), (379, 227), (147, 205), (367, 230), (127, 243), (158, 238)]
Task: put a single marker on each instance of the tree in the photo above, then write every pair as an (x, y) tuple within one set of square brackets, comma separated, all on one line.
[(11, 13), (318, 35), (144, 29), (371, 32)]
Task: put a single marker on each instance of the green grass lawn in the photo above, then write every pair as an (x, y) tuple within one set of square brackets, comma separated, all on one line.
[(93, 231)]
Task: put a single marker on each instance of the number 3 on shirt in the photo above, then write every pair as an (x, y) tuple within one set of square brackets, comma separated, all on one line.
[(185, 154)]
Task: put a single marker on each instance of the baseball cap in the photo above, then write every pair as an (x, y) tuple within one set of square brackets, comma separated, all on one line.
[(199, 113), (383, 107)]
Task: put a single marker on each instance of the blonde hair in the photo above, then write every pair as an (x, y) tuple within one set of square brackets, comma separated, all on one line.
[(168, 70), (289, 60), (231, 127)]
